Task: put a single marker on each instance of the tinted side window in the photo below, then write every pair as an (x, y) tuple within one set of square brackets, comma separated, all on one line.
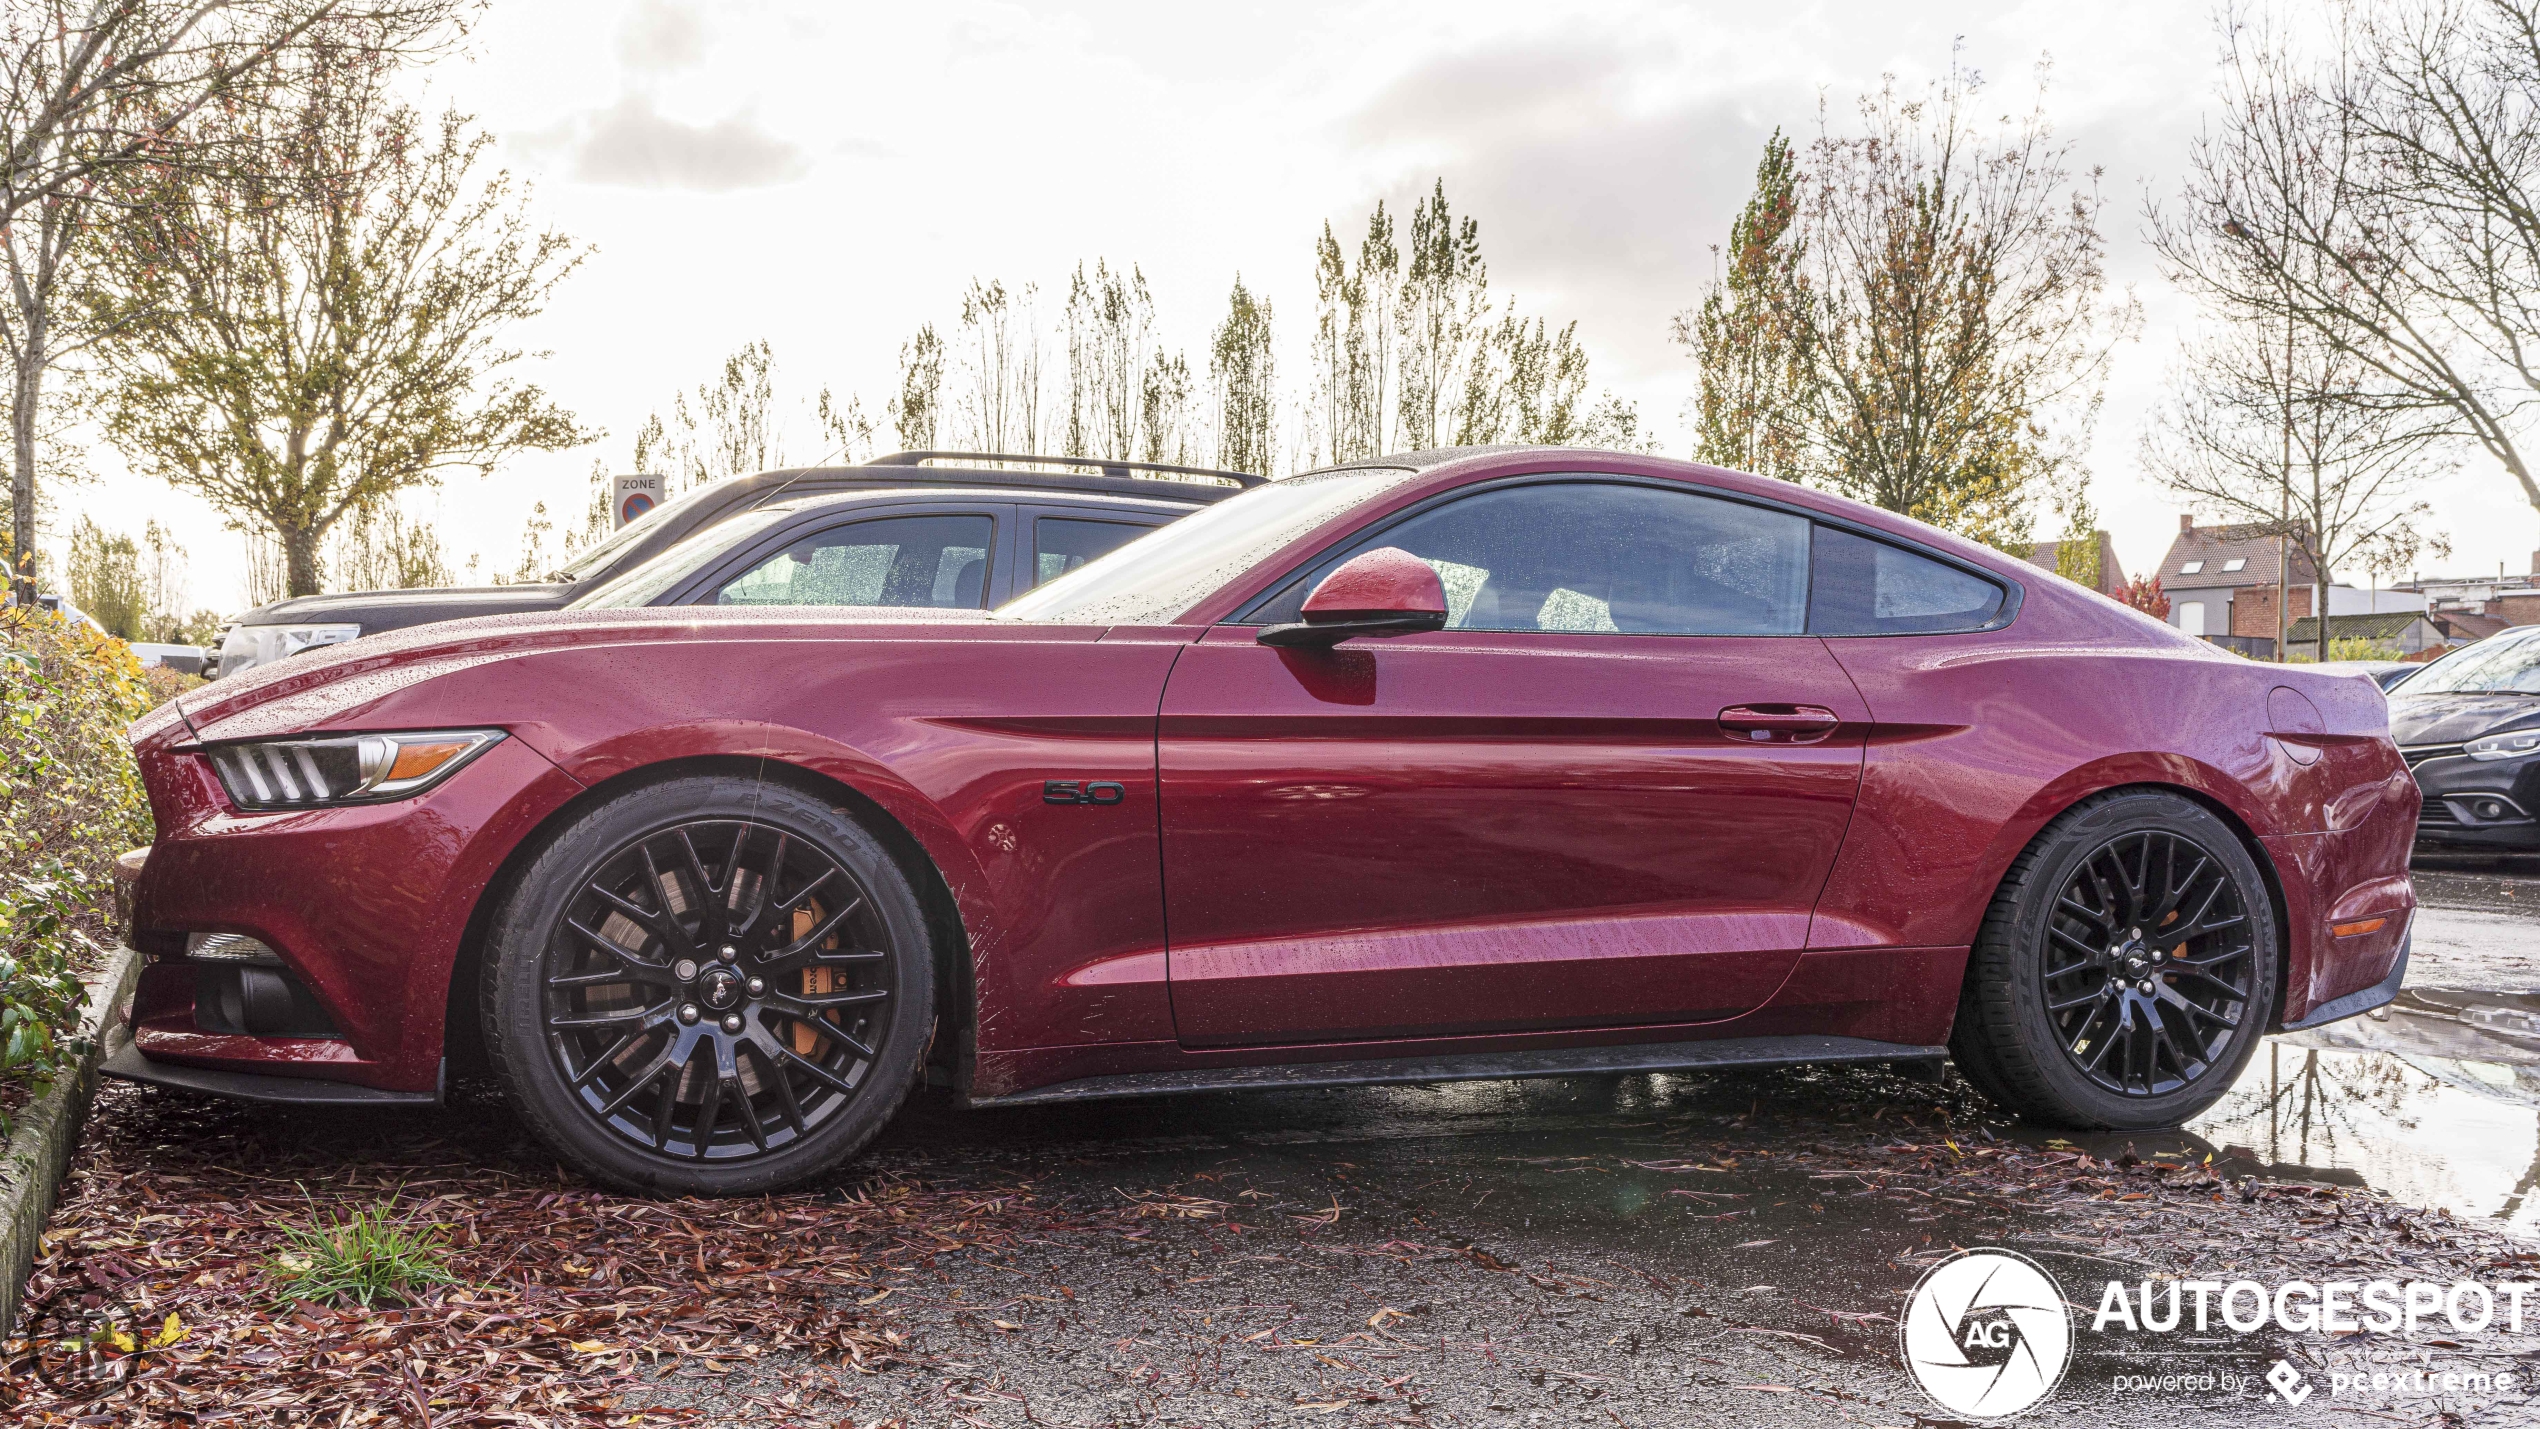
[(938, 561), (1060, 544), (1865, 587), (1600, 557)]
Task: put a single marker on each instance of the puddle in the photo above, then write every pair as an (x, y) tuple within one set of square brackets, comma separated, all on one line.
[(2433, 1100)]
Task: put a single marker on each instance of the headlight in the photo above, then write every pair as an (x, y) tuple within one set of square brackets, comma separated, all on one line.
[(2504, 746), (343, 769), (244, 647)]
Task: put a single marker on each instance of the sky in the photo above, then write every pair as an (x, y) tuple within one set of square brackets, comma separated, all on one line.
[(827, 177)]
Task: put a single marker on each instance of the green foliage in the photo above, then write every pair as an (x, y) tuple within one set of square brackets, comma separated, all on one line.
[(106, 579), (311, 320), (70, 801), (1906, 311), (1244, 383), (1753, 358), (365, 1257), (2346, 647)]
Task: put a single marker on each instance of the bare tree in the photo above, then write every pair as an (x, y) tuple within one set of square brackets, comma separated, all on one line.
[(1165, 415), (725, 427), (2382, 196), (917, 412), (996, 407), (1110, 334), (2277, 430), (91, 88)]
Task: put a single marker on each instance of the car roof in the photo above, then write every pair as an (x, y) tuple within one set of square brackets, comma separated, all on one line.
[(858, 497)]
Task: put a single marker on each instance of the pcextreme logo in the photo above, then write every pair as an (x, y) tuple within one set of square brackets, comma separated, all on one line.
[(1986, 1334)]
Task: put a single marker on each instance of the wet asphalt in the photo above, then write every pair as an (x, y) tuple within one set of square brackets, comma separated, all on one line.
[(1727, 1249)]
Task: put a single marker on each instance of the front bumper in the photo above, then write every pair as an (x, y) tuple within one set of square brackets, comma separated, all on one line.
[(365, 908), (2492, 804)]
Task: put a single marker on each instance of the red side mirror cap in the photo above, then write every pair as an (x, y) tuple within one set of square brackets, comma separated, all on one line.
[(1386, 591)]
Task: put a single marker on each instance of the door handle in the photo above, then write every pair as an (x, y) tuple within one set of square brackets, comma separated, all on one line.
[(1780, 724)]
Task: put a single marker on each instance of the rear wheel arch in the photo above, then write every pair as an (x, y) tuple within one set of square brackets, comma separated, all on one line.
[(1971, 1051), (955, 1037), (2231, 818)]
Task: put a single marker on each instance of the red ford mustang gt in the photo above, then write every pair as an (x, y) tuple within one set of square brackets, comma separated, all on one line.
[(1466, 764)]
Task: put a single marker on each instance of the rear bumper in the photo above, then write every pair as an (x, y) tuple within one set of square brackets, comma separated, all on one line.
[(2362, 1000)]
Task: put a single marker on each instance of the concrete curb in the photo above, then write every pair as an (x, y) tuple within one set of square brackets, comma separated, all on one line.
[(47, 1132)]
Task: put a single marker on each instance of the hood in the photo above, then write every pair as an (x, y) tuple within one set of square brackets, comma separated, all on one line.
[(332, 686), (377, 610), (2456, 719)]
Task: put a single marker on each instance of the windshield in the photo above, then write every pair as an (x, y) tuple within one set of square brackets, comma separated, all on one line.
[(649, 581), (583, 566), (1158, 576), (2503, 665)]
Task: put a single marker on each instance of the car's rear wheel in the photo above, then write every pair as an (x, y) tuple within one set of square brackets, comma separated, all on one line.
[(709, 986), (2125, 971)]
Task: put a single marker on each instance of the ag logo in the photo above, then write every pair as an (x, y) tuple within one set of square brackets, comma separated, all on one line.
[(1986, 1334)]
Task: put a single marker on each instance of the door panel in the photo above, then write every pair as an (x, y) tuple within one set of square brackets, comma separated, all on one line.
[(1475, 831)]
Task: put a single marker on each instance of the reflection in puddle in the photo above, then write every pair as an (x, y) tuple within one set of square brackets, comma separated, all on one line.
[(2433, 1100)]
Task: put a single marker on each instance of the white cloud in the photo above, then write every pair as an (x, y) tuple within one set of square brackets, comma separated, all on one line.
[(632, 144), (660, 36)]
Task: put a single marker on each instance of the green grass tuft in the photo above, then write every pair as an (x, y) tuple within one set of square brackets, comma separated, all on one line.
[(366, 1257)]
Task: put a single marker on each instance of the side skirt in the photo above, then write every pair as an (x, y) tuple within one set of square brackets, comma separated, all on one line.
[(1476, 1066)]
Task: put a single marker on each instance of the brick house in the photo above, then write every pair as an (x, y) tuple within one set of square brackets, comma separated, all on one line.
[(2221, 581), (2111, 575)]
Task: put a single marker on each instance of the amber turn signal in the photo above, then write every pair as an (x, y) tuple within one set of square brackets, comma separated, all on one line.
[(2358, 929)]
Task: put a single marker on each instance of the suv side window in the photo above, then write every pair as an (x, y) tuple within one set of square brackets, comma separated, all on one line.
[(1588, 557), (937, 561), (1866, 587), (1062, 543)]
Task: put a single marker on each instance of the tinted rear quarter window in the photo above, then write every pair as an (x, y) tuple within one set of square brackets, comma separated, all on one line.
[(1858, 586)]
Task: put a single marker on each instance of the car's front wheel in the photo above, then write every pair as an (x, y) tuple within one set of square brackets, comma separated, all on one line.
[(710, 986), (2125, 971)]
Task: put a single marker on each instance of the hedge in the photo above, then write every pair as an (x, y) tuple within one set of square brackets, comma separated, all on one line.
[(70, 801)]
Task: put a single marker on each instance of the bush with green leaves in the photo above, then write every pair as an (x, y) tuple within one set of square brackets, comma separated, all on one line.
[(70, 801)]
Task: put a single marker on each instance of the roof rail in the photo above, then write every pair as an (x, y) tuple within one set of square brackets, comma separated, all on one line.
[(1105, 465)]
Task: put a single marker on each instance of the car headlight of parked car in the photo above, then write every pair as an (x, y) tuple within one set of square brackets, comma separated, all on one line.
[(326, 771), (244, 647), (2504, 746)]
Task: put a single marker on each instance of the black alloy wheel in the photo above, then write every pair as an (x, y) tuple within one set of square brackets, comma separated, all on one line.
[(2126, 969), (2148, 963), (717, 1000)]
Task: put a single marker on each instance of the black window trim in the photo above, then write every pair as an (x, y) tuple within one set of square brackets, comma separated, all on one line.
[(2013, 592)]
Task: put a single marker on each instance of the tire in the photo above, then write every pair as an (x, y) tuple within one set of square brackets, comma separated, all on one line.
[(2055, 1023), (657, 1050)]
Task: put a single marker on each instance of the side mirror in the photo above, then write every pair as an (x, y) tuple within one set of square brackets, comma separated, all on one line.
[(1387, 591)]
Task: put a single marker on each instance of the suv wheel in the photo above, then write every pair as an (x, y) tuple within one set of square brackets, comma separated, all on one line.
[(709, 986), (2126, 970)]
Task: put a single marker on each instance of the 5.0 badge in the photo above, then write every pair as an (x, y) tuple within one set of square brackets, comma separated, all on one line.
[(1089, 791)]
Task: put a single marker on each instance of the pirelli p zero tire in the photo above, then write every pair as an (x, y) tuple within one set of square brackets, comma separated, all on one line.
[(2126, 970), (709, 986)]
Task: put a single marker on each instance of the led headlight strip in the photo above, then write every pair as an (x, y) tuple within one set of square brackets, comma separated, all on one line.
[(327, 770)]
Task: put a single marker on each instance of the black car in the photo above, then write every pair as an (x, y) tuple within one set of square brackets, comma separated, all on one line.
[(2469, 725), (1086, 501)]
